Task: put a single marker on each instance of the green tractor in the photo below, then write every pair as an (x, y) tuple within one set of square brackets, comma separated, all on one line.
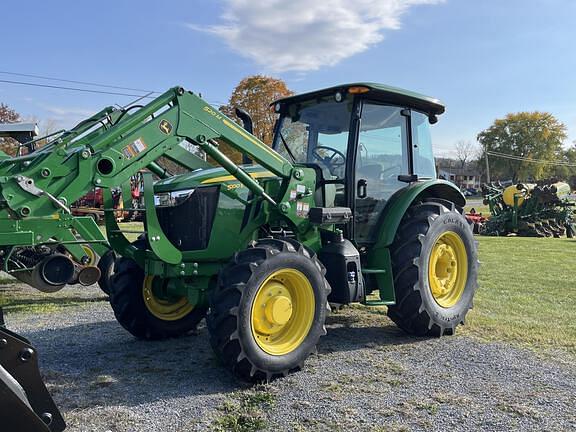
[(343, 208)]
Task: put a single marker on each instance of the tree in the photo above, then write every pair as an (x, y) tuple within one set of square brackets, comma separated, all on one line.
[(567, 172), (465, 152), (532, 135), (8, 115), (254, 94)]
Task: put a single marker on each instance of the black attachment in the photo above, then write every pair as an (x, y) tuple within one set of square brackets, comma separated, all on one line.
[(246, 119), (408, 178), (329, 215), (343, 271), (248, 126), (362, 188), (26, 404)]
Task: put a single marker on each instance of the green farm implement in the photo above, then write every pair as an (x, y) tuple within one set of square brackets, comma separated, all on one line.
[(344, 207), (529, 210)]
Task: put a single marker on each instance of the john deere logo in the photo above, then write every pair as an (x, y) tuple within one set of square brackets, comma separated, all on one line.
[(165, 126)]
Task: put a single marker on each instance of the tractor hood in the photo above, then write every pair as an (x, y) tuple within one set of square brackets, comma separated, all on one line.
[(211, 176)]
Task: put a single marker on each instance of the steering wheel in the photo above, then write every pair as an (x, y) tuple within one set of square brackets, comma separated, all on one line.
[(329, 161)]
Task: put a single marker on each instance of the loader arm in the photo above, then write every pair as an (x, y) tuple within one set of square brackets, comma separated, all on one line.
[(105, 150), (123, 144)]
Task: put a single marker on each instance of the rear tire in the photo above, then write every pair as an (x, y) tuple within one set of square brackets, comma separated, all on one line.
[(133, 313), (435, 267), (270, 273)]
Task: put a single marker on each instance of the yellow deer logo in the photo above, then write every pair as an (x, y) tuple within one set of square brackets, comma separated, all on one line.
[(165, 127)]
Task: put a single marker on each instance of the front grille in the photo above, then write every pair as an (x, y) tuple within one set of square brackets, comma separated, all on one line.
[(188, 223)]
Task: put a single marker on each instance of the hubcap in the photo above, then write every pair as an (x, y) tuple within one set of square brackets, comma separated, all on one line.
[(164, 309), (448, 269), (282, 312)]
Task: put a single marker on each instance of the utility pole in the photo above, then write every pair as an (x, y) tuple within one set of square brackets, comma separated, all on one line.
[(487, 167)]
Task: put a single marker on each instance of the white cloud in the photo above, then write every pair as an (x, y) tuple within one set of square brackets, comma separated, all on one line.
[(67, 116), (304, 35)]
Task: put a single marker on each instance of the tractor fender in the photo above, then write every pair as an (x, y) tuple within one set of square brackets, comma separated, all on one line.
[(379, 255), (399, 203)]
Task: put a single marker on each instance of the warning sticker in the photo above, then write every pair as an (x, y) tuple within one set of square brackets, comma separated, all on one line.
[(299, 208), (134, 148), (302, 209), (292, 194), (301, 188)]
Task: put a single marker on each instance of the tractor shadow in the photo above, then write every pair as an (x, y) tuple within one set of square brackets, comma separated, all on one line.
[(100, 364), (352, 329)]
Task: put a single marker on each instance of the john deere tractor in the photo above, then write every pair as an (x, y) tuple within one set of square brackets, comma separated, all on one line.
[(344, 207)]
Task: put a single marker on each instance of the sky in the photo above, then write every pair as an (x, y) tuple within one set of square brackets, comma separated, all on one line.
[(482, 58)]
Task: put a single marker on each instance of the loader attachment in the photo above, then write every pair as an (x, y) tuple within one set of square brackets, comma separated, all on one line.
[(25, 404)]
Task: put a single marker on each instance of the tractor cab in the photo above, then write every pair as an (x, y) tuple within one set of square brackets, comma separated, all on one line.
[(367, 141)]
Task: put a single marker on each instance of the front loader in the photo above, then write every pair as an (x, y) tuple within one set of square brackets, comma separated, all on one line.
[(343, 208)]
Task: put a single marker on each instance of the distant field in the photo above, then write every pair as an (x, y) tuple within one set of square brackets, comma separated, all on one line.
[(527, 292)]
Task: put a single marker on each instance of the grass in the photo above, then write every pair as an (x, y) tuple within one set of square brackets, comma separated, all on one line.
[(129, 226), (245, 411), (17, 298), (527, 292)]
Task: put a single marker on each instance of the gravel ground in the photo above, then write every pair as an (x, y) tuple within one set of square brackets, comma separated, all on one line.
[(367, 376)]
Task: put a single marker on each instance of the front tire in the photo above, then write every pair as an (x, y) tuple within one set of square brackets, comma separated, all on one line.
[(268, 311), (435, 267), (144, 315)]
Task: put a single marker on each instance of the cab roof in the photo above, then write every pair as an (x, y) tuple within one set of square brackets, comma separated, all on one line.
[(380, 92)]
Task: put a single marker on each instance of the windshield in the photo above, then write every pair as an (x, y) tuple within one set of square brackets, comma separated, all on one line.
[(316, 132)]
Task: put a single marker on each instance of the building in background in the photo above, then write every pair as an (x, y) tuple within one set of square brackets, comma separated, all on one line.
[(467, 177)]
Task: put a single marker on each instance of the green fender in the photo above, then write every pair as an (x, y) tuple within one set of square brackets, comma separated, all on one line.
[(379, 261)]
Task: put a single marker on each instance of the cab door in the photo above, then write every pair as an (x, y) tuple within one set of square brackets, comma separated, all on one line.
[(382, 154)]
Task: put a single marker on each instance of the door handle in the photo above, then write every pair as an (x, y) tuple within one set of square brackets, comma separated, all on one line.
[(362, 188)]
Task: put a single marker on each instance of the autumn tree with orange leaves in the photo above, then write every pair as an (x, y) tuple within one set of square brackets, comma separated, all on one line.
[(254, 94)]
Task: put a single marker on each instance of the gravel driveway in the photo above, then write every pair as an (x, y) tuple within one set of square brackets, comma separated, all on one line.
[(367, 376)]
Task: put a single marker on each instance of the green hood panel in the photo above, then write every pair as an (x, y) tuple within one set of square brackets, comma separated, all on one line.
[(209, 176)]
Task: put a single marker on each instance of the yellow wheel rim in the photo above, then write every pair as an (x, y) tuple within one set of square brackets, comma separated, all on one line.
[(448, 269), (164, 309), (90, 254), (283, 312)]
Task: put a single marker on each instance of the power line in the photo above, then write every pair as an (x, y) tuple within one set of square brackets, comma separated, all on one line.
[(77, 82), (525, 159), (72, 88), (146, 96)]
